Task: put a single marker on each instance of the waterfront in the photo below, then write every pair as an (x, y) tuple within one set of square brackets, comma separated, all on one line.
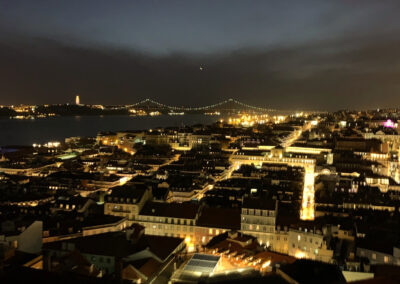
[(27, 132)]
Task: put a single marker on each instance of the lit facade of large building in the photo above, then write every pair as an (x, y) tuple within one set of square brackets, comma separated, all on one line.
[(126, 201), (258, 219), (310, 244)]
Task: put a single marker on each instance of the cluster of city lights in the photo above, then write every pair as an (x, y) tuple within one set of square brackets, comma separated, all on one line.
[(55, 144), (241, 260), (389, 124), (112, 142), (138, 112), (251, 120)]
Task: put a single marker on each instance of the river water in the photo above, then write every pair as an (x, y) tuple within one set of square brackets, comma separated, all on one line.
[(41, 130)]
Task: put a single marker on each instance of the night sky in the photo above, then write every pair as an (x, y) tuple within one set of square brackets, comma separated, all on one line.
[(310, 54)]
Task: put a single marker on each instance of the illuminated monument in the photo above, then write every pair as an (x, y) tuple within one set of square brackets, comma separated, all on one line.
[(77, 100)]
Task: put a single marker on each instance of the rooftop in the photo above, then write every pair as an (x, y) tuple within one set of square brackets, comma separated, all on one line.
[(259, 203), (117, 244), (174, 210), (219, 218)]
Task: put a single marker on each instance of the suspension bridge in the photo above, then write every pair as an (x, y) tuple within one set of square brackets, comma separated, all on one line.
[(229, 104)]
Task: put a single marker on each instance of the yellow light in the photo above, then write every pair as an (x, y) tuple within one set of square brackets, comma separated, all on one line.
[(123, 180), (307, 206), (266, 264), (189, 244)]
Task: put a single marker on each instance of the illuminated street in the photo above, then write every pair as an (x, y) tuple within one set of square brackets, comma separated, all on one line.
[(307, 204)]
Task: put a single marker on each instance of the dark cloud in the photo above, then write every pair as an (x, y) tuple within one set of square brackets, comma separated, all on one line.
[(199, 26), (308, 54), (355, 72)]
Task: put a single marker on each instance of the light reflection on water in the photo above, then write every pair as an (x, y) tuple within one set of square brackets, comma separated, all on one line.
[(27, 131)]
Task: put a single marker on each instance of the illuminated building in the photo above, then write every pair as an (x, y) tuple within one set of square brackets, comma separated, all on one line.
[(240, 251), (214, 221), (310, 244), (387, 123), (90, 230), (77, 100), (24, 108), (26, 169), (390, 124), (126, 201), (186, 220), (279, 156), (248, 157), (258, 219), (170, 219), (199, 266), (378, 253)]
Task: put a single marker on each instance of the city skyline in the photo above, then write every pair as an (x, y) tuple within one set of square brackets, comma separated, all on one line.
[(187, 141), (227, 104)]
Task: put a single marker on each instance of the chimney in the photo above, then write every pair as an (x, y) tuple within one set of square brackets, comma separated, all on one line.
[(129, 233), (134, 233)]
